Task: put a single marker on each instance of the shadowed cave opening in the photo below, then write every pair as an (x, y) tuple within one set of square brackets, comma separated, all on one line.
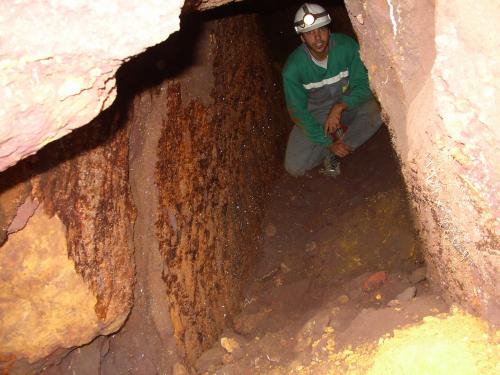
[(203, 255)]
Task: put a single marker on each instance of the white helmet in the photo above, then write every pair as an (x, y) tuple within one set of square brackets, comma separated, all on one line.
[(310, 17)]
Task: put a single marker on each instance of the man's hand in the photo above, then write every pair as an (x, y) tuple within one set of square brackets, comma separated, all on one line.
[(333, 120), (339, 148)]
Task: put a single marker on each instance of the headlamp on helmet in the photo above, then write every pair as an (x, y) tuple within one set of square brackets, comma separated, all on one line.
[(310, 17)]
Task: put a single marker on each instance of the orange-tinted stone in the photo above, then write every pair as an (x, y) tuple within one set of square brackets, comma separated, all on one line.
[(375, 280)]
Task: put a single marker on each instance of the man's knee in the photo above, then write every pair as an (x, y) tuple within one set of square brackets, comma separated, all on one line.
[(297, 153), (371, 110), (294, 169), (371, 106), (364, 125)]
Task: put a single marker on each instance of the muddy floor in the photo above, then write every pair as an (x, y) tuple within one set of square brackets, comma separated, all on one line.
[(341, 267)]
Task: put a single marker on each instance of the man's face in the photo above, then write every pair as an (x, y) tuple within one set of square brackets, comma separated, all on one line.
[(317, 41)]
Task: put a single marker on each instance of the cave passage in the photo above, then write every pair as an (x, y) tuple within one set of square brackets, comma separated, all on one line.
[(329, 254), (195, 252), (340, 262)]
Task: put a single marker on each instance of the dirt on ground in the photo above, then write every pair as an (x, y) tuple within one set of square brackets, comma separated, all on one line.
[(341, 269)]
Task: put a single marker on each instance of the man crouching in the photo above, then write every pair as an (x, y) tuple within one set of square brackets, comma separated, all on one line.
[(327, 95)]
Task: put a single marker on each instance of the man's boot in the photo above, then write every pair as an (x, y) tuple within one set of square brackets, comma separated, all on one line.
[(331, 166)]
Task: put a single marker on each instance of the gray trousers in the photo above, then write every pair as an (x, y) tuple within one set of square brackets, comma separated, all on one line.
[(302, 155)]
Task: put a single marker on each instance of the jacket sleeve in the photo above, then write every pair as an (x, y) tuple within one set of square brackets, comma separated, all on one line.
[(358, 78), (296, 102)]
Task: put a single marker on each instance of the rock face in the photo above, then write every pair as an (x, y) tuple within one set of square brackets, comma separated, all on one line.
[(90, 193), (68, 268), (59, 60), (45, 303), (437, 79), (219, 150), (211, 126)]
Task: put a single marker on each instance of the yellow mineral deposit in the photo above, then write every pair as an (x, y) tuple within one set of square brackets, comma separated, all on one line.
[(456, 343), (44, 303)]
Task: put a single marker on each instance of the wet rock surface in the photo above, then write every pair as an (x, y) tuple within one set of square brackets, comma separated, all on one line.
[(215, 165), (87, 186)]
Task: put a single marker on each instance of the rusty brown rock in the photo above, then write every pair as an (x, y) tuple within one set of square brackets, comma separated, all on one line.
[(215, 164), (82, 183), (90, 193), (375, 280)]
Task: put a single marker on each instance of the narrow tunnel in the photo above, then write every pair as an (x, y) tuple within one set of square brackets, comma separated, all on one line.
[(165, 236)]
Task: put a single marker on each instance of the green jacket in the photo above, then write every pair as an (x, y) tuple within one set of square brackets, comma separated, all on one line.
[(311, 91)]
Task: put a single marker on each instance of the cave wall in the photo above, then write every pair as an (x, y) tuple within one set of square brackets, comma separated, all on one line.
[(65, 259), (151, 212), (221, 145), (434, 66)]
